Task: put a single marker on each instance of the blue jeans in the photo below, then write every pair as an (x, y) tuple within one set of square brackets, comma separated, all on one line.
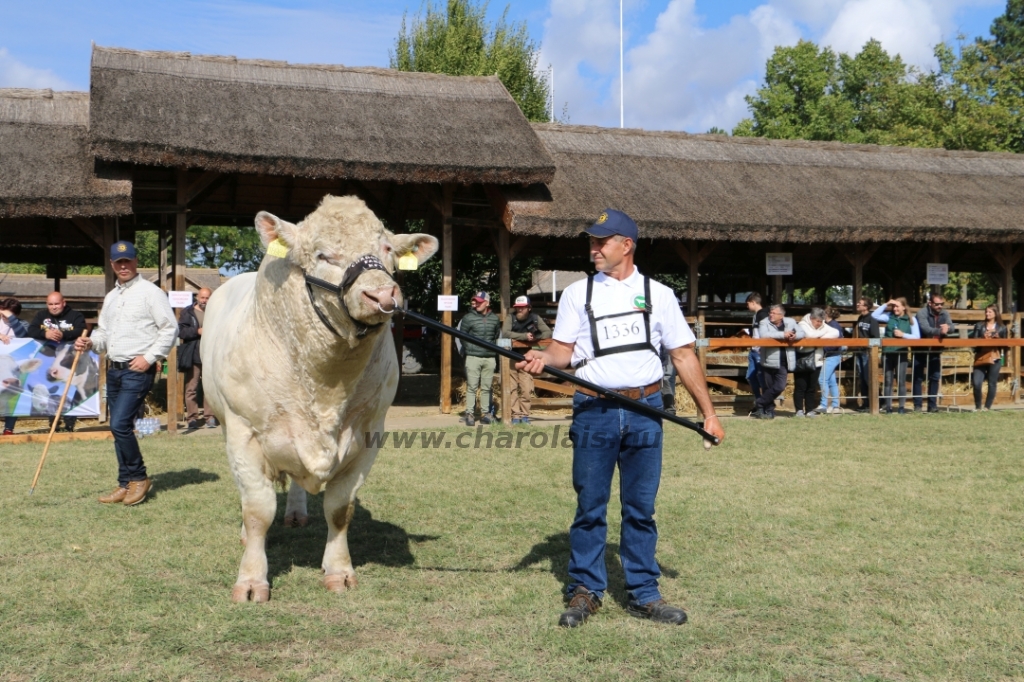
[(828, 381), (863, 361), (930, 364), (605, 435), (126, 391), (754, 373)]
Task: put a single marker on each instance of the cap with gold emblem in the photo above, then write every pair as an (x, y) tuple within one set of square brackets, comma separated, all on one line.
[(119, 250), (613, 222)]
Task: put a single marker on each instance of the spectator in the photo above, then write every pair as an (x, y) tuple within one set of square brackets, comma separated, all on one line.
[(754, 375), (190, 331), (987, 359), (935, 323), (57, 324), (866, 328), (480, 362), (10, 328), (898, 325), (523, 325), (775, 362), (832, 357), (809, 362)]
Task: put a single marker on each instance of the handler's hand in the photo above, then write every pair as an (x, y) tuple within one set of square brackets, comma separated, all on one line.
[(138, 364), (713, 425), (83, 343), (534, 363)]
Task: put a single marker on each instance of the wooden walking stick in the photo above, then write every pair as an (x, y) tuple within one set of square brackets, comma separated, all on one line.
[(56, 417)]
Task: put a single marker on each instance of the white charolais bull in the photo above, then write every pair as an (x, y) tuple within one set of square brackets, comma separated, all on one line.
[(298, 374)]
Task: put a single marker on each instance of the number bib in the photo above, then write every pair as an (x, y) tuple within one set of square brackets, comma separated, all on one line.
[(620, 332)]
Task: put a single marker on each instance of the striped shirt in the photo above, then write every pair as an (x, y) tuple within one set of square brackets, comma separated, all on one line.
[(136, 320)]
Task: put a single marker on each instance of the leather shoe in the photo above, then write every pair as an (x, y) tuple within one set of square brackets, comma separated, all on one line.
[(137, 492), (193, 424), (115, 497), (581, 606), (658, 611)]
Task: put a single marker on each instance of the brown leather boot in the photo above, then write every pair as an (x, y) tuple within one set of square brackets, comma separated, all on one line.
[(115, 497), (137, 492)]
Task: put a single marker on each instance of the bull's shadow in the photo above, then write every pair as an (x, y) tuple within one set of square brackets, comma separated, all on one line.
[(369, 541), (554, 551)]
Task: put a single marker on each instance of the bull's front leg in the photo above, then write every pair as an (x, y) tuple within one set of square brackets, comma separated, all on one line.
[(259, 504), (339, 506)]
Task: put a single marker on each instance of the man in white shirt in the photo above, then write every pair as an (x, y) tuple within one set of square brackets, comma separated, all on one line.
[(136, 328), (610, 328)]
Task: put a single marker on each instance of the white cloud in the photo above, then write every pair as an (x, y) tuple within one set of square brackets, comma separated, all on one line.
[(14, 74), (683, 75)]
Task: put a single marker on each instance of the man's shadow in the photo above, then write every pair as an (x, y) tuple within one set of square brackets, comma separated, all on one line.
[(369, 541), (555, 551), (172, 480)]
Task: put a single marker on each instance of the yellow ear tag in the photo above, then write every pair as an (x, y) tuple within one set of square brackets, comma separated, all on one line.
[(277, 248), (408, 262)]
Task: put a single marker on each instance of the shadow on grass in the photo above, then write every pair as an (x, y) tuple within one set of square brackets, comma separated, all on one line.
[(172, 480), (555, 551), (369, 541)]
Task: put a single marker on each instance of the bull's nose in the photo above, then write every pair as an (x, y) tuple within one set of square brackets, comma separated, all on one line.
[(384, 296)]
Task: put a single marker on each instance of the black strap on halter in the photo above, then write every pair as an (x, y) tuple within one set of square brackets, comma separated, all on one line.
[(352, 272)]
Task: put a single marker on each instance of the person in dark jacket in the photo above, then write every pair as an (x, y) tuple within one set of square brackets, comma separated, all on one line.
[(57, 324), (987, 358), (526, 326), (480, 362), (866, 328), (935, 323), (190, 331)]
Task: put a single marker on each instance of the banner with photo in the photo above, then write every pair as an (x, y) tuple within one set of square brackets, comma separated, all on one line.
[(33, 375)]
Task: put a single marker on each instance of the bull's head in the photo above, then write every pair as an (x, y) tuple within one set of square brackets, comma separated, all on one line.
[(344, 246)]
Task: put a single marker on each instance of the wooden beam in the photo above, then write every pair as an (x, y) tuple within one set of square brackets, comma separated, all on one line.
[(517, 246), (504, 283), (447, 192), (371, 200), (201, 187), (108, 241), (178, 275), (90, 229)]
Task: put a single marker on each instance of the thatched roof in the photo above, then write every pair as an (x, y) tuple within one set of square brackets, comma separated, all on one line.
[(681, 186), (275, 118), (46, 168)]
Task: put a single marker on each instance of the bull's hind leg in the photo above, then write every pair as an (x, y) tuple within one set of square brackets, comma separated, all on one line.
[(295, 514), (339, 506), (259, 504)]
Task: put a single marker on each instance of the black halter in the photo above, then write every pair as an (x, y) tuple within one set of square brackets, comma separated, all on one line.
[(356, 268)]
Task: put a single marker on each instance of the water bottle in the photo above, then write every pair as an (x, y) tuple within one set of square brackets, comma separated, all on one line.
[(140, 428)]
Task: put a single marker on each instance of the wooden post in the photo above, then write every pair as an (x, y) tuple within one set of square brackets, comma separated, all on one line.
[(777, 290), (1015, 356), (936, 255), (1007, 257), (108, 241), (504, 283), (178, 274), (447, 192), (874, 354), (693, 254)]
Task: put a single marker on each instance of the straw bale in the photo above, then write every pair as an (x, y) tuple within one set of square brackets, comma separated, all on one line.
[(316, 121), (681, 186), (46, 167)]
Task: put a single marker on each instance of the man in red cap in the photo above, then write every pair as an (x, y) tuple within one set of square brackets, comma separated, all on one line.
[(523, 325)]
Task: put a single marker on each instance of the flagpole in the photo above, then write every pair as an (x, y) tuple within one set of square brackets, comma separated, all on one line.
[(622, 101)]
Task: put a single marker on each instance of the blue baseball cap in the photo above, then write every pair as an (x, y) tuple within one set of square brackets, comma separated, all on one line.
[(613, 222), (121, 250)]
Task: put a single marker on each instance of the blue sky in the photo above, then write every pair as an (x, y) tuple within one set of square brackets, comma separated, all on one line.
[(689, 63)]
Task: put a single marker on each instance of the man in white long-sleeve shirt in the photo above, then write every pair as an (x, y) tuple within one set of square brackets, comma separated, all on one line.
[(136, 328)]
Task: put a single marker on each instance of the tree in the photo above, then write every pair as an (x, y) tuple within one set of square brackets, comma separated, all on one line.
[(1008, 33), (456, 40)]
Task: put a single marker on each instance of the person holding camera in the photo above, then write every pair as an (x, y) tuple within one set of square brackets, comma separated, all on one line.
[(523, 325), (935, 323), (898, 325), (987, 359)]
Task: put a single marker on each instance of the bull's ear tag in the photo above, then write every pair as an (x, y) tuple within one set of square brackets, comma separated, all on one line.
[(277, 248), (408, 262)]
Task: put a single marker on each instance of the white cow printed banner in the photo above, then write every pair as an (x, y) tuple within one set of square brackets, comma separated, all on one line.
[(33, 375)]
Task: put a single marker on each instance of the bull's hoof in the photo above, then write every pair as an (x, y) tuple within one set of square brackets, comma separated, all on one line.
[(339, 583), (294, 519), (250, 591)]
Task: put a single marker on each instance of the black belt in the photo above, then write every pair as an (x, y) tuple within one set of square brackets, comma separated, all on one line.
[(113, 364)]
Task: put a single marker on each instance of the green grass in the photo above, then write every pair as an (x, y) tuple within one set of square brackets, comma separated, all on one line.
[(846, 548)]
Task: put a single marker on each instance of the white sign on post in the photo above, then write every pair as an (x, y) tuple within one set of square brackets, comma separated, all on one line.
[(448, 303), (180, 299), (779, 263), (938, 273)]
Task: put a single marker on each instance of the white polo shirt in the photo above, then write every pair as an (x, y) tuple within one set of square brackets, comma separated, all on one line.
[(627, 369)]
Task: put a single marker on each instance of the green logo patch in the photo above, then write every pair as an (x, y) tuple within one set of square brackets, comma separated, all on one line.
[(639, 302)]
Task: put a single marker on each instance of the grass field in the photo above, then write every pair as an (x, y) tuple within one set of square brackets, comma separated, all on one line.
[(846, 548)]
